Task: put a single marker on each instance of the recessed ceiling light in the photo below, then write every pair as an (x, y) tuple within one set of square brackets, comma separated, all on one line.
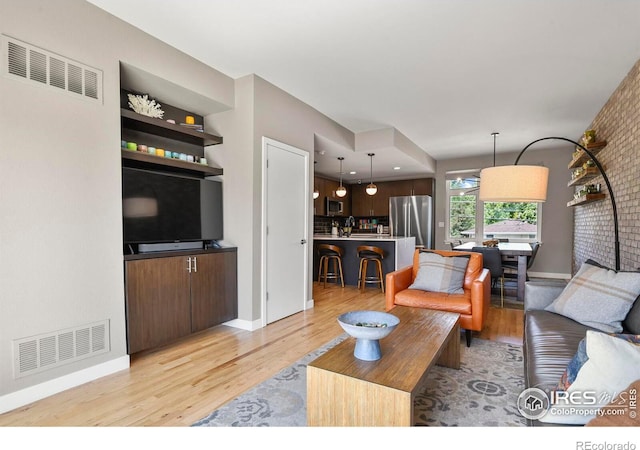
[(396, 168), (353, 172)]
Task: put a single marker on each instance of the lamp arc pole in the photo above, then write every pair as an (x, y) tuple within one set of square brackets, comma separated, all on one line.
[(606, 181)]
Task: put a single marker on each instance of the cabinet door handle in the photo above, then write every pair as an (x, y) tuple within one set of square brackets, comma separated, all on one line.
[(189, 264), (195, 264)]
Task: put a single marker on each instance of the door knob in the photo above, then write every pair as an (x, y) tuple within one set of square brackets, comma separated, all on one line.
[(303, 241)]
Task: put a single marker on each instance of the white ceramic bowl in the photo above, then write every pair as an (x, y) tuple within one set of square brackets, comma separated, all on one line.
[(368, 327), (359, 324)]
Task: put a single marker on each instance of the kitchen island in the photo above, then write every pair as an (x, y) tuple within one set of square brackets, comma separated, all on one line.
[(398, 252)]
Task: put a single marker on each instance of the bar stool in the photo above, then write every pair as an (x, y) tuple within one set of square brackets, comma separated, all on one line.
[(333, 253), (368, 253)]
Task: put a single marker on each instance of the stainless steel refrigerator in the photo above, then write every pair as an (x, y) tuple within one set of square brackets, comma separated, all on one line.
[(412, 216)]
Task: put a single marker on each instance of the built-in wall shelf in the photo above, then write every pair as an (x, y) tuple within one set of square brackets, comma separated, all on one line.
[(159, 127), (145, 160), (580, 156), (588, 174), (588, 198)]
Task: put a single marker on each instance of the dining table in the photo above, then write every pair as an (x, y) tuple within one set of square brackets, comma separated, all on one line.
[(520, 250)]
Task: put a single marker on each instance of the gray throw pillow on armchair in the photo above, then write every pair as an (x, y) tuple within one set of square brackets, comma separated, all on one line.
[(598, 297), (439, 273)]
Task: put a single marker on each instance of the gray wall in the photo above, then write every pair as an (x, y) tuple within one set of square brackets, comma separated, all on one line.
[(61, 222), (261, 109), (61, 229), (554, 257)]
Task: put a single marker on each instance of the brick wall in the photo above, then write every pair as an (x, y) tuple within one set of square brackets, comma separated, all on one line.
[(618, 122)]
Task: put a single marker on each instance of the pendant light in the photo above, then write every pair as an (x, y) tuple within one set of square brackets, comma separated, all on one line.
[(316, 192), (494, 134), (371, 188), (341, 191)]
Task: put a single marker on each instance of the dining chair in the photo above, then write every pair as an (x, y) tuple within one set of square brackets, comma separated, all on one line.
[(492, 260), (455, 243), (513, 265)]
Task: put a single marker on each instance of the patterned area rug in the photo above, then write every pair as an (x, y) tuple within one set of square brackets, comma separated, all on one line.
[(482, 393)]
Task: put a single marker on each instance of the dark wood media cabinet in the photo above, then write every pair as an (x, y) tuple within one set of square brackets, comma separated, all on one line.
[(170, 295)]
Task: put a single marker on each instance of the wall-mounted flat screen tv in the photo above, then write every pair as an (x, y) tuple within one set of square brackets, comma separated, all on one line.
[(160, 207)]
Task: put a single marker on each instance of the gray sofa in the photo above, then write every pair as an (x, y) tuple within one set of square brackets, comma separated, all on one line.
[(551, 340)]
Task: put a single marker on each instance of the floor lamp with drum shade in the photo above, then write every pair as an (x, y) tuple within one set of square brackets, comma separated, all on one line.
[(507, 184)]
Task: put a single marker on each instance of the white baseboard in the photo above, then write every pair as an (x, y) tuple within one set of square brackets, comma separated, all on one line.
[(31, 394), (247, 325)]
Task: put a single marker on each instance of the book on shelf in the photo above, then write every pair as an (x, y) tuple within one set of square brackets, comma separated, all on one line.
[(192, 126)]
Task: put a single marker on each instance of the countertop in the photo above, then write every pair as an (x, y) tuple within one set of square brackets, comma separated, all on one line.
[(362, 237)]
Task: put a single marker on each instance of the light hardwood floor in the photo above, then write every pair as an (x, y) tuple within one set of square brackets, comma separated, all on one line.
[(183, 382)]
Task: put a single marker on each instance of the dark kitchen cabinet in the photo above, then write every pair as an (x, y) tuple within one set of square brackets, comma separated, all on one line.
[(330, 187), (319, 204), (157, 302), (364, 205), (169, 297), (360, 201), (420, 186), (327, 188), (214, 295)]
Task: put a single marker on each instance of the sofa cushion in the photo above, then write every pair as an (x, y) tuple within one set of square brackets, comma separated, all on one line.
[(631, 323), (458, 303), (437, 273), (613, 362), (581, 357), (551, 341), (598, 297)]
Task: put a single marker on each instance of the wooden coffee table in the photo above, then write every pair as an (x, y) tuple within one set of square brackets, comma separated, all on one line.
[(345, 391)]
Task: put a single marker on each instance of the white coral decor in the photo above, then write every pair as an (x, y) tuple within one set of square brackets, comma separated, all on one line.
[(142, 105)]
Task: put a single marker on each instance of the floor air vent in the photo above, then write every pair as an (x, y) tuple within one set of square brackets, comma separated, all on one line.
[(38, 353), (43, 68)]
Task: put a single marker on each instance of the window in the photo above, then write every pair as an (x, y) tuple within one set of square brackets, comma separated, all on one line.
[(462, 195), (468, 217), (513, 221)]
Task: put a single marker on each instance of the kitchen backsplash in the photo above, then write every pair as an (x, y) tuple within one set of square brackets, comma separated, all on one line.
[(322, 224)]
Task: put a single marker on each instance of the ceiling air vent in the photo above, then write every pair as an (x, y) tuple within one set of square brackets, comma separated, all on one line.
[(37, 353), (41, 67)]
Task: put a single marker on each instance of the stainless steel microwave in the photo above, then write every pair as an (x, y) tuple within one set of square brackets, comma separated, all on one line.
[(334, 206)]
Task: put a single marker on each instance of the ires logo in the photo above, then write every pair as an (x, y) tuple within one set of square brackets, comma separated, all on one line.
[(564, 398), (535, 403), (590, 398)]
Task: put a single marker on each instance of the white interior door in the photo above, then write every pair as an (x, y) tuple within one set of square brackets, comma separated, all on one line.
[(285, 213)]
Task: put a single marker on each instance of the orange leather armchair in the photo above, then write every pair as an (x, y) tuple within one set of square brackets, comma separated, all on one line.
[(472, 305)]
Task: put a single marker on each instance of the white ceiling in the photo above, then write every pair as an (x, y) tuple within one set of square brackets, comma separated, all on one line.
[(446, 73)]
